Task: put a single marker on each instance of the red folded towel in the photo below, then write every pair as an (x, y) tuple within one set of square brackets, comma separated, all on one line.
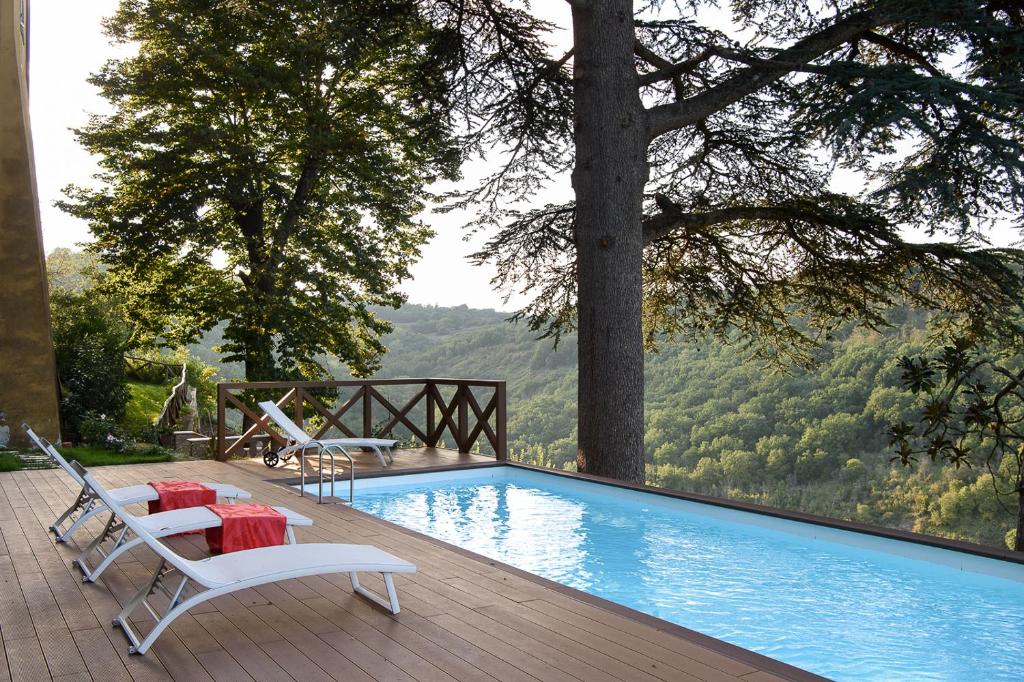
[(180, 495), (245, 526)]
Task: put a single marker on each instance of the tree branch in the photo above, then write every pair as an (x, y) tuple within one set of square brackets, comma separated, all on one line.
[(672, 217), (667, 117), (905, 51), (668, 70)]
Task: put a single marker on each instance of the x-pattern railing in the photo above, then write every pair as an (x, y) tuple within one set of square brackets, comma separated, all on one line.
[(463, 416)]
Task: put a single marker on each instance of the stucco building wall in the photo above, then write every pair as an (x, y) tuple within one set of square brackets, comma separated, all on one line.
[(28, 381)]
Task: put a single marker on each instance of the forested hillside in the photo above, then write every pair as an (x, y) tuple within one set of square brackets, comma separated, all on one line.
[(717, 423), (809, 439)]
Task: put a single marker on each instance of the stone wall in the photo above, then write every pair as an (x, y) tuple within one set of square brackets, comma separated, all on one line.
[(28, 381)]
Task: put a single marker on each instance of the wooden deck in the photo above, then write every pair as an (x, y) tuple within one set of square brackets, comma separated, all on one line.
[(463, 618)]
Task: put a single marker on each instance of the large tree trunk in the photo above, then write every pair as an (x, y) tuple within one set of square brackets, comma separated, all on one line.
[(609, 177), (256, 334)]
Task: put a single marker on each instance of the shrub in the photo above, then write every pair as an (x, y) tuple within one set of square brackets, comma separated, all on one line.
[(89, 339), (99, 430)]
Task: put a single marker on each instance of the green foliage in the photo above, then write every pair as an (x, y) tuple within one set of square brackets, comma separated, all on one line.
[(293, 140), (166, 370), (971, 417), (89, 339), (100, 431), (9, 462), (810, 439), (144, 406), (94, 456), (73, 271)]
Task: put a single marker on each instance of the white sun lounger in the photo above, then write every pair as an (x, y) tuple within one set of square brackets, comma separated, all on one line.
[(161, 525), (180, 579), (303, 441), (87, 506)]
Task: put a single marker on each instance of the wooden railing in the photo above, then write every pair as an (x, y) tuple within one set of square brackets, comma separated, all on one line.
[(427, 415), (172, 406)]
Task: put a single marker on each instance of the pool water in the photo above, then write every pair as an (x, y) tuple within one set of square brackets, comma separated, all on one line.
[(845, 605)]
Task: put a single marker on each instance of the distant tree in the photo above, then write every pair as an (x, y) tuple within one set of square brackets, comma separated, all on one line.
[(704, 168), (73, 271), (263, 167), (973, 416)]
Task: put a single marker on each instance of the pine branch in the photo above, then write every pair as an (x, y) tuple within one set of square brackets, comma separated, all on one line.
[(668, 117)]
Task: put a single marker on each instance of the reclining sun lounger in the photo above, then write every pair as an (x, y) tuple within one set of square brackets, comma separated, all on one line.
[(303, 441), (161, 525), (179, 578), (87, 506)]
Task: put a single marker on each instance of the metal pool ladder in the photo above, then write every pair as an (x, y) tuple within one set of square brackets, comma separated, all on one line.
[(327, 449)]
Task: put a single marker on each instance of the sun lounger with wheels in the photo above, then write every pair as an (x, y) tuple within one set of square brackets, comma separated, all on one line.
[(160, 525), (86, 506), (188, 583), (302, 441)]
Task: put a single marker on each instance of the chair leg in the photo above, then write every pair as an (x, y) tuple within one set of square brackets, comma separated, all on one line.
[(139, 598), (110, 529), (391, 603), (90, 511), (121, 545), (78, 504), (175, 607)]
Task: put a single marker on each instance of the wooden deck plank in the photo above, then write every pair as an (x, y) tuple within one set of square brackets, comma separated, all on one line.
[(25, 659), (462, 619)]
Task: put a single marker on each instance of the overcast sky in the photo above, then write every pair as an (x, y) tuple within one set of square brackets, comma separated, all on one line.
[(67, 45)]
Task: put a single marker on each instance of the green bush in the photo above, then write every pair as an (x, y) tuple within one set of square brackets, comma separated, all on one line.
[(99, 430), (89, 339)]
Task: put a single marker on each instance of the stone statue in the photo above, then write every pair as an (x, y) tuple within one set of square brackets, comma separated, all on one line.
[(5, 431)]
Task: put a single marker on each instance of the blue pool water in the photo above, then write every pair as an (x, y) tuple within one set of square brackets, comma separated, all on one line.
[(841, 604)]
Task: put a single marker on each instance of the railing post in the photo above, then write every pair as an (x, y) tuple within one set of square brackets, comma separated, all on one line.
[(222, 427), (500, 423), (431, 417), (463, 419), (367, 412), (298, 415)]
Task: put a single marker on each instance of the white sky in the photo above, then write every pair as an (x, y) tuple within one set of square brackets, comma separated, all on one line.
[(67, 44)]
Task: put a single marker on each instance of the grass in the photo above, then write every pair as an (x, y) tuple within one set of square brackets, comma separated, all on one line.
[(144, 406), (9, 462), (93, 456)]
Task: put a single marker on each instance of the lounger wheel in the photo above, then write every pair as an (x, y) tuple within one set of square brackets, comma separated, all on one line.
[(271, 459)]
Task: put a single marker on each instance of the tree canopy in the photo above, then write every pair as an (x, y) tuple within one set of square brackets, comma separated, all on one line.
[(760, 163), (263, 166)]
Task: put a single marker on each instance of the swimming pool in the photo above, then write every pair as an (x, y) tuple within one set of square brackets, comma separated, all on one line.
[(838, 603)]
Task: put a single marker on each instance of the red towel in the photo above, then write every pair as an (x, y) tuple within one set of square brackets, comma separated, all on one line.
[(245, 526), (180, 495)]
